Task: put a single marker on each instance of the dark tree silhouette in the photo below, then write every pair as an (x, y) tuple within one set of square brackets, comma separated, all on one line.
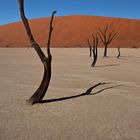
[(93, 49), (46, 60), (119, 53), (106, 35), (90, 47)]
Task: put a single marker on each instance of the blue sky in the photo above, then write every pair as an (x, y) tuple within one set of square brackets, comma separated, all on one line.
[(9, 10)]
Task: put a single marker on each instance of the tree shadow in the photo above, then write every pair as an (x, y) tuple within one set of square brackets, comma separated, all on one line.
[(88, 92), (105, 89), (124, 57), (107, 65)]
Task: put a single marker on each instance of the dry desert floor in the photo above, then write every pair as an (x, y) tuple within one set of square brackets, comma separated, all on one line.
[(110, 112)]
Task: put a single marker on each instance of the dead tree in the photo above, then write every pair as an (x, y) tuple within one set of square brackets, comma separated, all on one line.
[(119, 53), (94, 49), (90, 47), (106, 36), (46, 60)]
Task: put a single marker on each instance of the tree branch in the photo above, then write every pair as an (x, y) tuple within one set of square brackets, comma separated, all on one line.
[(50, 34), (101, 38), (112, 37), (26, 24), (29, 33)]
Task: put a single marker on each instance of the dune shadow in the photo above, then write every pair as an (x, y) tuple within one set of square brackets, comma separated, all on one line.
[(86, 93)]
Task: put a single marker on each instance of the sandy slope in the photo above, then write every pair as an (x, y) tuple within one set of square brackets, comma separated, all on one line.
[(112, 114), (72, 31)]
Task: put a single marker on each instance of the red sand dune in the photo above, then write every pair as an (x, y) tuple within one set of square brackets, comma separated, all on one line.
[(71, 31)]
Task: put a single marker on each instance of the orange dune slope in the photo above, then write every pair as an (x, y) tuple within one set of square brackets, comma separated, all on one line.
[(71, 31)]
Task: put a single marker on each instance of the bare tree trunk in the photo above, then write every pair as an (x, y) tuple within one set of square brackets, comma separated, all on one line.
[(90, 48), (94, 49), (119, 53), (94, 61), (46, 61), (40, 92), (90, 51), (95, 53), (105, 50)]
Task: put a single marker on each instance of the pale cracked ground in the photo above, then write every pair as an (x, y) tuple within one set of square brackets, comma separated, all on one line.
[(112, 114)]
